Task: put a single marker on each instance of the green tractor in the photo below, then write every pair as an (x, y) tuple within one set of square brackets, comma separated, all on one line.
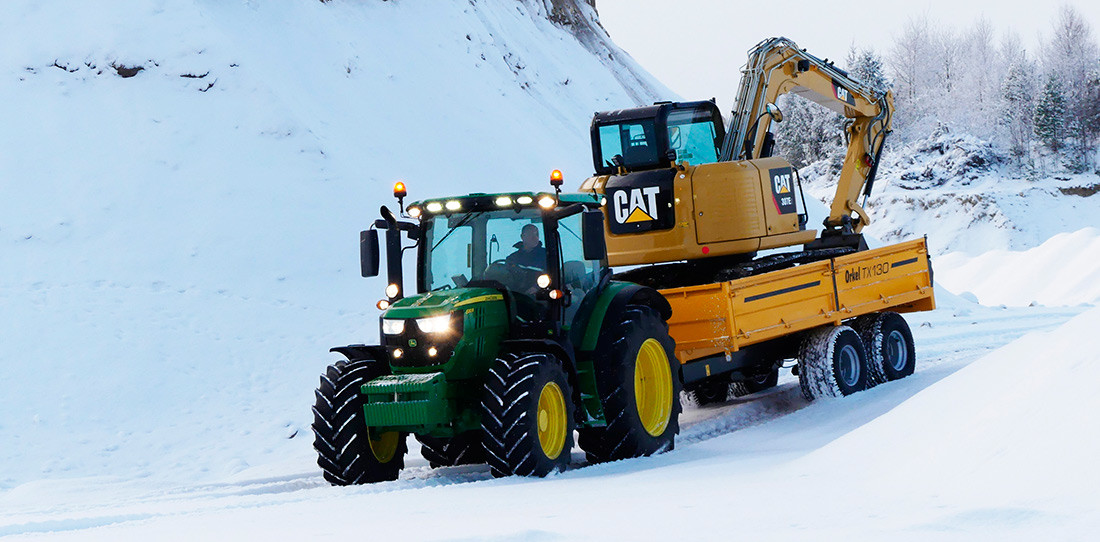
[(516, 337)]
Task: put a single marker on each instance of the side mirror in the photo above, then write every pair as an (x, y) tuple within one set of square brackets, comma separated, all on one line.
[(368, 253), (595, 245), (774, 112)]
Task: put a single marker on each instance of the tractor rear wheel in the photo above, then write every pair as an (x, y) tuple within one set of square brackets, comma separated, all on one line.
[(638, 379), (832, 363), (890, 351), (462, 449), (349, 452), (756, 383), (527, 416)]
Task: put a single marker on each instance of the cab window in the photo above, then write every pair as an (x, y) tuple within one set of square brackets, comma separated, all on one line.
[(579, 276), (692, 133), (634, 141)]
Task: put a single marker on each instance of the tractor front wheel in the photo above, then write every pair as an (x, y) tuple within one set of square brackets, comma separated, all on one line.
[(527, 416), (462, 449), (348, 451)]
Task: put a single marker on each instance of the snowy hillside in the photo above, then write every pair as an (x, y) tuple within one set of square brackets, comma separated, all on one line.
[(180, 246), (182, 184)]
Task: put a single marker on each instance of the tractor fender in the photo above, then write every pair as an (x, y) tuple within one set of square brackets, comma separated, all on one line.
[(356, 352), (614, 300)]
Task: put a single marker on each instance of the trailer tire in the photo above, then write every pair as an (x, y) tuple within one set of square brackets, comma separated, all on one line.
[(346, 453), (756, 383), (832, 363), (711, 391), (461, 449), (891, 354), (638, 380), (527, 416)]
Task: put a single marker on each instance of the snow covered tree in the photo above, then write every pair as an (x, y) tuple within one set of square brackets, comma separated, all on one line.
[(911, 62), (808, 133), (865, 66), (1018, 107), (1050, 114), (1070, 56)]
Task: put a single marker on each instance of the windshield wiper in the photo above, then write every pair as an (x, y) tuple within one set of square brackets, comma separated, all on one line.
[(461, 223)]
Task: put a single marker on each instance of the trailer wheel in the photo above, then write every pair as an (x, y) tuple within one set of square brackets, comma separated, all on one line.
[(527, 416), (462, 449), (832, 363), (349, 452), (756, 383), (711, 391), (637, 377), (890, 350)]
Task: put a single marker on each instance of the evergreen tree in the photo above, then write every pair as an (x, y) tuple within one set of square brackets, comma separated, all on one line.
[(1049, 114)]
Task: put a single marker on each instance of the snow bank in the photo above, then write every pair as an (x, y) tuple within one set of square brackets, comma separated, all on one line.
[(1064, 270), (1008, 441), (181, 187)]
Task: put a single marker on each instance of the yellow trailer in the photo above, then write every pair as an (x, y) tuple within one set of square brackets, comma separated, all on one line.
[(742, 329)]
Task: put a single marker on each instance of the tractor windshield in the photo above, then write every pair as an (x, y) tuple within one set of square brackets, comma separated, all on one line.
[(493, 247)]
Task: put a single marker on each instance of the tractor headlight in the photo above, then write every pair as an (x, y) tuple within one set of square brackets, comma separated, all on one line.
[(392, 326), (435, 324)]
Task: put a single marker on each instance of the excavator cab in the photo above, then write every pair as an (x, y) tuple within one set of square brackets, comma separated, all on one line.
[(655, 137)]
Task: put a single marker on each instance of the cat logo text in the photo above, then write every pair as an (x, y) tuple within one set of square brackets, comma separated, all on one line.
[(635, 205)]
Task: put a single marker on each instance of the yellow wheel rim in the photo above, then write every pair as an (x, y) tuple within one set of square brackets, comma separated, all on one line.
[(385, 446), (551, 419), (653, 387)]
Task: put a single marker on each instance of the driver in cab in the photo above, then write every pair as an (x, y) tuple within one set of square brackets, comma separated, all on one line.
[(529, 250)]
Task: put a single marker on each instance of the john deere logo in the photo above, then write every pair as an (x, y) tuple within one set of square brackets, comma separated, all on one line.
[(635, 205), (412, 343)]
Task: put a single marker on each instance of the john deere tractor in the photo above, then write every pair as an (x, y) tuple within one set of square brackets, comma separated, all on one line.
[(516, 336)]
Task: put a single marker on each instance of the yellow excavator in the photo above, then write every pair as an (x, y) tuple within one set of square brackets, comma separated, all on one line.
[(683, 189)]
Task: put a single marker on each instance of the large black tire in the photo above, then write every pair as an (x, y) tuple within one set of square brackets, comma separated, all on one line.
[(832, 363), (756, 383), (891, 353), (635, 365), (527, 416), (462, 449), (345, 451)]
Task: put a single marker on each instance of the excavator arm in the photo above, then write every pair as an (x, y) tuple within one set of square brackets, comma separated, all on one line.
[(777, 66)]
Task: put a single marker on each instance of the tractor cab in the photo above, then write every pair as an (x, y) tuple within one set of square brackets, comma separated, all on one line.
[(656, 136), (519, 266), (532, 255)]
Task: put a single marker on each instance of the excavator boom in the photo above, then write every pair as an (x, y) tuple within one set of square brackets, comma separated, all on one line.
[(777, 66)]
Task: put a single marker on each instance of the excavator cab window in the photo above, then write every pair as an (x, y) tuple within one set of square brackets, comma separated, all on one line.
[(630, 144), (644, 138), (693, 134)]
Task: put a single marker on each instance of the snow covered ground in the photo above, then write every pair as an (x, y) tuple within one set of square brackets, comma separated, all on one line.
[(172, 274)]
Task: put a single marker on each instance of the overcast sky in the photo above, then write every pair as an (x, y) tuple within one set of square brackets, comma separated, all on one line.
[(697, 47)]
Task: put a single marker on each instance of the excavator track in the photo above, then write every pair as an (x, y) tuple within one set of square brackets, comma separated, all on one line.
[(694, 273)]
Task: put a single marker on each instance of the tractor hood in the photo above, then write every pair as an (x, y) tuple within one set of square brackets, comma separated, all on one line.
[(440, 302), (456, 332)]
